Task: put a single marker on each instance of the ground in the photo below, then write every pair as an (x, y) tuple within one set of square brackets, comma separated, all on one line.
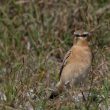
[(34, 37)]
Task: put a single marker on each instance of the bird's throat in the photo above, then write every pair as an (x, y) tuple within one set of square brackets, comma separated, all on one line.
[(82, 43)]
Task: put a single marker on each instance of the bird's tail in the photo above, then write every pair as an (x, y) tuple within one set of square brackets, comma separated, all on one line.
[(55, 93)]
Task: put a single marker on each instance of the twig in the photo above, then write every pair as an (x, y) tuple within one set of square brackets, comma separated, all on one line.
[(88, 104)]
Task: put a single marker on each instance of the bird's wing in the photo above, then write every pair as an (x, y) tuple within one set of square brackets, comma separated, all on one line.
[(64, 61)]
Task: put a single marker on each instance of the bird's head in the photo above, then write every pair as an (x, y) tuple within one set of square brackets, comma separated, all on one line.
[(81, 37)]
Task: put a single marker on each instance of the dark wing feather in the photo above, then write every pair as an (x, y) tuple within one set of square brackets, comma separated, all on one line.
[(64, 62)]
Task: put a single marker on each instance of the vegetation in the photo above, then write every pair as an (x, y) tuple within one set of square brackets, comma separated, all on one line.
[(34, 37)]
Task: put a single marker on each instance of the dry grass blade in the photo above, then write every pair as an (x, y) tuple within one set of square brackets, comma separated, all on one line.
[(19, 2)]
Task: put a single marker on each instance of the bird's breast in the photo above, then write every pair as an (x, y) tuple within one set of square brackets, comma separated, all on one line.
[(78, 64)]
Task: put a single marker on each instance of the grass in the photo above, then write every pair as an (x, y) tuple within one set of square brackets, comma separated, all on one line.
[(34, 37)]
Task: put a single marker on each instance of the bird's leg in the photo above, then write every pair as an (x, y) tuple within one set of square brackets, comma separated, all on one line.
[(83, 96), (67, 84), (68, 91)]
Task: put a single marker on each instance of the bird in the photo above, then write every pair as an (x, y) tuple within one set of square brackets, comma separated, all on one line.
[(76, 63)]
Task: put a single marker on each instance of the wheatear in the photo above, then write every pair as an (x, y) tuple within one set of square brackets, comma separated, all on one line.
[(76, 63)]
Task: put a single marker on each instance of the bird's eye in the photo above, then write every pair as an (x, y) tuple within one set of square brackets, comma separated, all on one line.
[(84, 35), (77, 35)]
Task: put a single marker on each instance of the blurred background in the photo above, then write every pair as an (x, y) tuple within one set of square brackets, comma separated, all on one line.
[(34, 37)]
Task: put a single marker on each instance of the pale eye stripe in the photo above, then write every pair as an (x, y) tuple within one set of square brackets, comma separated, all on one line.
[(85, 33)]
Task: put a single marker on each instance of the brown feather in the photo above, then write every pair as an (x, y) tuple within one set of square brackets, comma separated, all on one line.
[(64, 62)]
